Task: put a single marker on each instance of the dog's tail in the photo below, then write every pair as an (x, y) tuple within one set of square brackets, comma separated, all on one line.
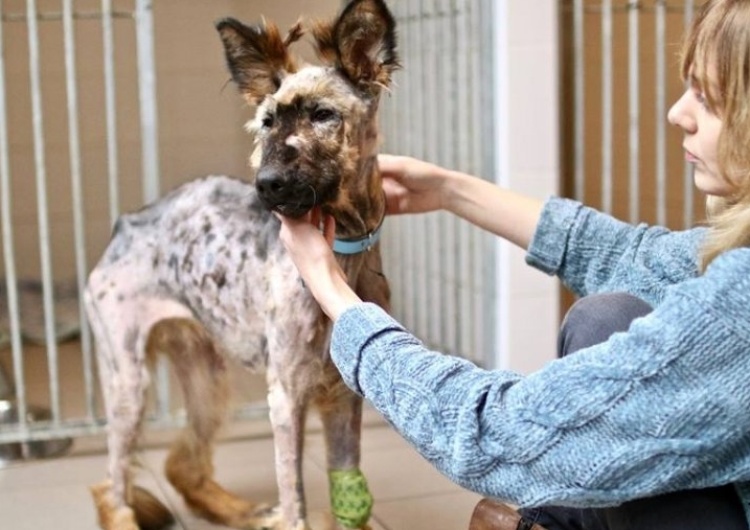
[(150, 513), (143, 509)]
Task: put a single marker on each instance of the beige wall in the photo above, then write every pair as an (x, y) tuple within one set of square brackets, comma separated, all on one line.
[(200, 115)]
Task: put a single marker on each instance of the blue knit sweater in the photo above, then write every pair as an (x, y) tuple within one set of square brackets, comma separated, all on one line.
[(662, 407)]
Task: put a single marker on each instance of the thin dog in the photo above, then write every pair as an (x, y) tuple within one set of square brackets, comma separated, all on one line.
[(201, 275)]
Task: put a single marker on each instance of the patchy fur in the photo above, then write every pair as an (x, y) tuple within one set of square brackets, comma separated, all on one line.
[(201, 275)]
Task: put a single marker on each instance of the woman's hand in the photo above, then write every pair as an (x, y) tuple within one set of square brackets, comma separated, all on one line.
[(311, 252), (411, 185), (414, 186)]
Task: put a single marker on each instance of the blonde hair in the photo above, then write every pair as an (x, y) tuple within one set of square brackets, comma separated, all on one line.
[(719, 38)]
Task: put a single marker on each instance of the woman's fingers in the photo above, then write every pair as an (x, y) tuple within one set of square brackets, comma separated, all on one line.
[(298, 229)]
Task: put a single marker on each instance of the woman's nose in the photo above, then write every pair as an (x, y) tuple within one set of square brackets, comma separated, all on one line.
[(681, 113)]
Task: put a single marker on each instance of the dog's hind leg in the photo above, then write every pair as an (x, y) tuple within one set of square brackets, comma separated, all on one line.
[(350, 498), (202, 374), (124, 379)]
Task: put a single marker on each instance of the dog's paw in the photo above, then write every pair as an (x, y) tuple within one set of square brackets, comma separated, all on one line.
[(111, 516), (265, 517)]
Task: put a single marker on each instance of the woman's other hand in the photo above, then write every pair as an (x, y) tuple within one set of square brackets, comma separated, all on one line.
[(411, 185)]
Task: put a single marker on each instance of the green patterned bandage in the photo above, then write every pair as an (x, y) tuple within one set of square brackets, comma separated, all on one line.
[(351, 502)]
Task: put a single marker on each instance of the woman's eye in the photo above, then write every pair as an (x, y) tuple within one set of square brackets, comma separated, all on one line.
[(321, 115), (700, 97)]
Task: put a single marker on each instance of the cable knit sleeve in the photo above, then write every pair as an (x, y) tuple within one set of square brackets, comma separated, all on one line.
[(663, 407), (592, 252)]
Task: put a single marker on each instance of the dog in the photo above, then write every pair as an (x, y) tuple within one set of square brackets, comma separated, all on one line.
[(201, 276)]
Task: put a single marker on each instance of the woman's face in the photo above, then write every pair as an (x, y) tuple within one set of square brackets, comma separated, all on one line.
[(701, 127)]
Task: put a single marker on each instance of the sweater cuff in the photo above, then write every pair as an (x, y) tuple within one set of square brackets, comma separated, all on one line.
[(354, 330), (549, 244)]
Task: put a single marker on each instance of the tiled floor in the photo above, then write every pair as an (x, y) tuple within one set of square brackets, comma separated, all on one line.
[(53, 494), (409, 493)]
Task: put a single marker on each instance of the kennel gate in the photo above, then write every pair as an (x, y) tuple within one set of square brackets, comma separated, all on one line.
[(140, 14)]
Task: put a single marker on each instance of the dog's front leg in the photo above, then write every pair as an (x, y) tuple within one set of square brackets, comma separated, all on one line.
[(287, 412), (350, 498)]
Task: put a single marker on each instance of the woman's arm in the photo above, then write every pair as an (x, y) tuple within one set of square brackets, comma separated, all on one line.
[(414, 186), (593, 252), (589, 250), (663, 407)]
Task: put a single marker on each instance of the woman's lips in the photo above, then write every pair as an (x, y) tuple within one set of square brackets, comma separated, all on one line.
[(690, 157)]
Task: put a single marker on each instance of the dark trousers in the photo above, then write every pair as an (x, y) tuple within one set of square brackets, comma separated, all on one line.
[(590, 321)]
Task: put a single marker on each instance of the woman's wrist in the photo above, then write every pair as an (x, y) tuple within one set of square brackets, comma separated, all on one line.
[(335, 297), (451, 184)]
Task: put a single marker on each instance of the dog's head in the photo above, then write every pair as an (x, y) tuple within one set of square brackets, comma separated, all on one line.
[(315, 126)]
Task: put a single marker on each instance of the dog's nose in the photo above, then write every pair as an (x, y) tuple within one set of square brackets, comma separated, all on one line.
[(272, 185)]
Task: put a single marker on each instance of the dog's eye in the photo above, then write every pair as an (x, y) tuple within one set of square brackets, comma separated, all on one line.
[(321, 115), (267, 121)]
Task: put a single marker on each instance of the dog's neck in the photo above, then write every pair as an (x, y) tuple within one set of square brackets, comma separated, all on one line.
[(361, 213)]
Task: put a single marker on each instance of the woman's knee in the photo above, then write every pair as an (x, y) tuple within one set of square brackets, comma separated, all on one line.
[(593, 319)]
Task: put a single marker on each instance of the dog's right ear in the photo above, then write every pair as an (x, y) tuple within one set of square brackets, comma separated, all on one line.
[(257, 57)]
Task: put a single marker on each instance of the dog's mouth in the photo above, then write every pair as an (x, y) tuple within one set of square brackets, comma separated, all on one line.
[(292, 210), (291, 195)]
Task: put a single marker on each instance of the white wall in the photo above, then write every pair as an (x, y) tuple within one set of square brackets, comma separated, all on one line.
[(527, 159)]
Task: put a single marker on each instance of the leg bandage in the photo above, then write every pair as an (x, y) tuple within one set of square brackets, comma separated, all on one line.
[(351, 501)]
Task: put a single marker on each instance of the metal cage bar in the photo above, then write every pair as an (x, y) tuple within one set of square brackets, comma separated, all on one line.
[(79, 230), (579, 101), (113, 175), (25, 429), (150, 149), (43, 208), (9, 258), (689, 190), (634, 111), (606, 20), (661, 114)]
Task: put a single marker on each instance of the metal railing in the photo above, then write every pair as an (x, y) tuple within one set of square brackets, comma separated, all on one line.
[(141, 15), (441, 111)]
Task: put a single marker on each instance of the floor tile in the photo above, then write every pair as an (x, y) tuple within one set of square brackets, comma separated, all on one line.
[(400, 472), (58, 507), (409, 493), (67, 471), (245, 468), (450, 511), (55, 494)]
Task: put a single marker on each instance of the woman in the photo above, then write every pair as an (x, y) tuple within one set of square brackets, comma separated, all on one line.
[(647, 426)]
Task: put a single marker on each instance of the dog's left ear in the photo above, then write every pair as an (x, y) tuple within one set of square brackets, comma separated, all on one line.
[(361, 42), (257, 56)]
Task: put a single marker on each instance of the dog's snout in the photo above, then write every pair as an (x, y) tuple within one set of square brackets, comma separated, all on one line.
[(271, 184), (285, 190)]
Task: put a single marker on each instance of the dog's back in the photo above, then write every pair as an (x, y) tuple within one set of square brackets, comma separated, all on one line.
[(209, 248)]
